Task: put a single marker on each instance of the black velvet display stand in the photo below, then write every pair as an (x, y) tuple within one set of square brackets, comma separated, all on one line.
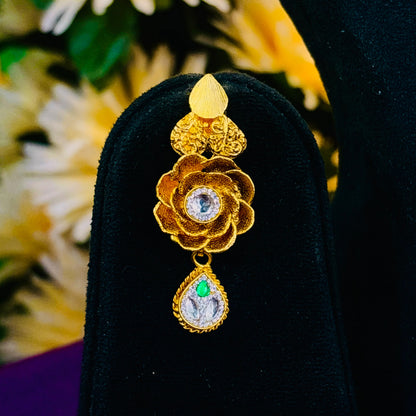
[(281, 349), (366, 54)]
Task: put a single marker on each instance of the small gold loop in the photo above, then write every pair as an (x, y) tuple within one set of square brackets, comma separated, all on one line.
[(200, 254)]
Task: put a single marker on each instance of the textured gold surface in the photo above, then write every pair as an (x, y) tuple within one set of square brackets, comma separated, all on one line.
[(220, 135), (205, 129), (234, 188), (177, 299), (208, 98)]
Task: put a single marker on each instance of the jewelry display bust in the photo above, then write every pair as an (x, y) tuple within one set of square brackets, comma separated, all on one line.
[(280, 349)]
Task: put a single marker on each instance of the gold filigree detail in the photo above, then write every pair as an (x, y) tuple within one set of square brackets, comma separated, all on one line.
[(186, 284), (225, 138), (188, 136), (220, 135), (206, 127)]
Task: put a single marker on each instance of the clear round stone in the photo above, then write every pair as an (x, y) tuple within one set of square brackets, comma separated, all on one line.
[(203, 204)]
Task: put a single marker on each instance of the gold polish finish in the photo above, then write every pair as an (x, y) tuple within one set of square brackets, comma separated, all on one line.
[(204, 203)]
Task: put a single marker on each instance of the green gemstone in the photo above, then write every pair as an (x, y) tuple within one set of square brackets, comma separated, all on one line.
[(202, 289)]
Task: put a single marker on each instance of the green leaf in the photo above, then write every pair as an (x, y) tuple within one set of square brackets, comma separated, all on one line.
[(3, 262), (99, 44), (9, 56), (3, 332), (42, 4)]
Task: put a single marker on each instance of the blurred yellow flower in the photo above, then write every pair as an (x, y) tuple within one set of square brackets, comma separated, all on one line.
[(332, 183), (333, 180), (55, 306), (17, 17), (335, 158), (330, 156), (262, 38), (26, 89), (62, 176), (60, 14), (24, 228)]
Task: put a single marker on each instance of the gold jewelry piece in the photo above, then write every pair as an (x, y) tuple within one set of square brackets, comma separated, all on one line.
[(204, 203)]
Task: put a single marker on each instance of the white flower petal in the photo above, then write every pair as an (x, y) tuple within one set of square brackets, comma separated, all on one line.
[(144, 6), (222, 5), (60, 15), (192, 3), (100, 6), (195, 63), (56, 306), (82, 228)]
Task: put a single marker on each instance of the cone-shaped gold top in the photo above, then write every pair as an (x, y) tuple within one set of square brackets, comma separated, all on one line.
[(208, 98)]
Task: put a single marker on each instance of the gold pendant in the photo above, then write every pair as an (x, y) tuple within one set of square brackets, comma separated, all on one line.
[(200, 303), (204, 203)]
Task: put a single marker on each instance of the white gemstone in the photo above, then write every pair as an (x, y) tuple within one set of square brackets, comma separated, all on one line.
[(202, 312), (203, 204), (191, 308), (211, 309)]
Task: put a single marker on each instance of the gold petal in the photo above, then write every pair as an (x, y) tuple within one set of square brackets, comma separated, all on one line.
[(218, 164), (244, 183), (187, 137), (235, 141), (230, 206), (219, 226), (192, 227), (165, 187), (177, 202), (208, 98), (190, 243), (165, 217), (219, 244), (225, 138), (187, 164), (217, 181), (245, 218)]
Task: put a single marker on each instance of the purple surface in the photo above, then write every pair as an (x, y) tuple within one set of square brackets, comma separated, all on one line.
[(45, 385)]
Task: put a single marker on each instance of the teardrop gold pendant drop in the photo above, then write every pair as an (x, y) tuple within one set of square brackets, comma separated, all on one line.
[(200, 304)]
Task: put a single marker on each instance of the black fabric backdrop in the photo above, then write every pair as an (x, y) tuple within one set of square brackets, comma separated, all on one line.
[(366, 54), (281, 349)]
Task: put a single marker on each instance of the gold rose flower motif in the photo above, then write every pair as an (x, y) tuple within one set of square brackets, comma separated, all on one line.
[(205, 203)]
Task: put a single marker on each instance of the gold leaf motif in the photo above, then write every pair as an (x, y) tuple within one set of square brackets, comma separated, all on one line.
[(225, 138), (220, 135), (208, 98), (187, 136)]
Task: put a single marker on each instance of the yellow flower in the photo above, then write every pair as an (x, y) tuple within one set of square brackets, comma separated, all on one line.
[(205, 203), (333, 180), (17, 17), (55, 306), (62, 176), (24, 228), (26, 90), (331, 161), (60, 14), (262, 38)]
